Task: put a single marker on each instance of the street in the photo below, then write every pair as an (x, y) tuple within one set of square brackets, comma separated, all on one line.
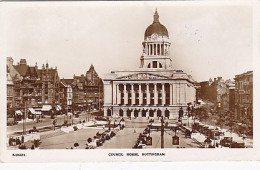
[(124, 138), (46, 122)]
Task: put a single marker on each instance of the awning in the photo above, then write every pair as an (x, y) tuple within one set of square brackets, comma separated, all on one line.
[(46, 107), (58, 107), (18, 112), (32, 110)]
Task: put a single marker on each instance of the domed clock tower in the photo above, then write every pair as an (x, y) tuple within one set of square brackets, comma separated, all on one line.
[(156, 46)]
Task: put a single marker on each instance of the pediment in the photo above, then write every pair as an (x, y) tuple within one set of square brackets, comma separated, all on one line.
[(143, 76)]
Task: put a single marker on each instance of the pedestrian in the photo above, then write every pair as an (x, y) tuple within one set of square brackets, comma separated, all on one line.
[(76, 145), (16, 141), (19, 141), (22, 139), (13, 142), (10, 141)]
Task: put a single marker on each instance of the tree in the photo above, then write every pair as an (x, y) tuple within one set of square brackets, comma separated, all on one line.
[(201, 113)]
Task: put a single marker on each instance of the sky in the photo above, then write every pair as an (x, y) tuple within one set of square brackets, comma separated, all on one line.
[(207, 40)]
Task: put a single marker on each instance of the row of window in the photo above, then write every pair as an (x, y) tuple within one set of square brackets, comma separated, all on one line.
[(144, 102)]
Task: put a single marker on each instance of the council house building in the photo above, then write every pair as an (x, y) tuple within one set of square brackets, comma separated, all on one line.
[(153, 90)]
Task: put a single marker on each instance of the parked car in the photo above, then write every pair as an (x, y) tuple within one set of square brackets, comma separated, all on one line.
[(11, 121), (237, 145), (226, 142), (100, 118)]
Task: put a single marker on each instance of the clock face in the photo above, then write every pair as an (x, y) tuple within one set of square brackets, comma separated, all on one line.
[(154, 37)]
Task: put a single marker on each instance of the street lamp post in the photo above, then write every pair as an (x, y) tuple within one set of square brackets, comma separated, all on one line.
[(109, 124), (72, 119), (99, 96), (24, 117), (162, 133)]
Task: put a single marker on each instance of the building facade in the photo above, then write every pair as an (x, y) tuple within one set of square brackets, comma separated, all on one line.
[(153, 90), (228, 99), (94, 89), (244, 97), (79, 92), (10, 92), (33, 87)]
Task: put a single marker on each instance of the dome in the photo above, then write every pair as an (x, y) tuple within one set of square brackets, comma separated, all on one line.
[(156, 27)]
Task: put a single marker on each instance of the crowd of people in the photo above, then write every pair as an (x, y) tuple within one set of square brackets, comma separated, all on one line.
[(16, 141)]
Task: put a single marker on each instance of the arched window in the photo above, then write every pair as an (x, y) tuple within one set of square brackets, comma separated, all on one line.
[(136, 113), (108, 112), (167, 113), (121, 113), (149, 65), (143, 113), (128, 113), (151, 113), (154, 64), (160, 65), (159, 113)]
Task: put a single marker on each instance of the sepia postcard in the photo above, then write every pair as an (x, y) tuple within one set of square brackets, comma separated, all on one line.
[(129, 81)]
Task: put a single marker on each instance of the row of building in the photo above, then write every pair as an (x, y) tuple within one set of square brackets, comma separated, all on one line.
[(152, 90), (235, 98), (40, 90)]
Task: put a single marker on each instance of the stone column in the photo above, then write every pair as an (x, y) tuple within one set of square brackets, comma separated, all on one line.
[(140, 95), (155, 94), (147, 94), (133, 94), (125, 95), (163, 94), (118, 94), (165, 46), (140, 113), (171, 95), (174, 91), (124, 113)]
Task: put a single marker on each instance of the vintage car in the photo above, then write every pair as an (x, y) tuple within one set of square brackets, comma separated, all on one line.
[(11, 122), (237, 145), (226, 142)]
